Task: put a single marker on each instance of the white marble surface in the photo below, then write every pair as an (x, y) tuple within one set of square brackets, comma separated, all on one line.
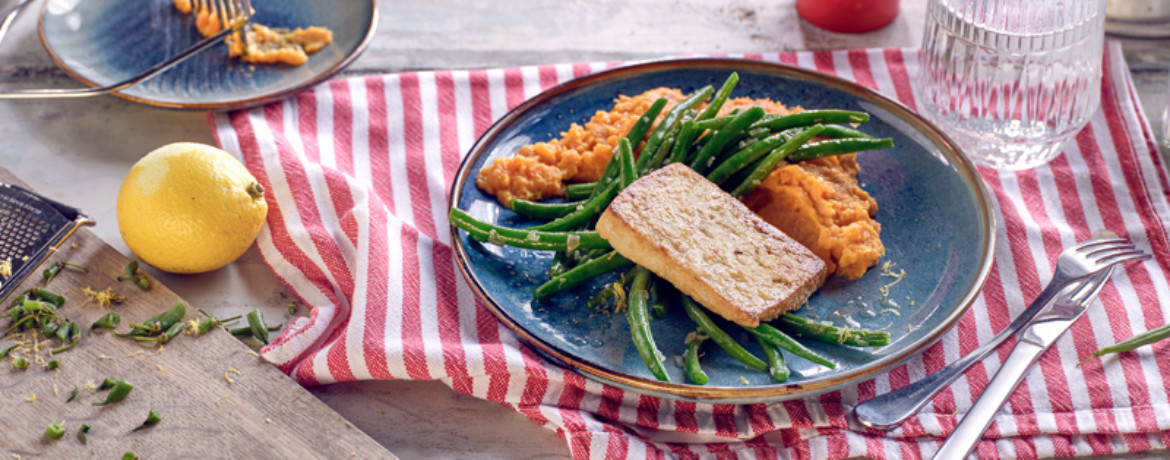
[(78, 151)]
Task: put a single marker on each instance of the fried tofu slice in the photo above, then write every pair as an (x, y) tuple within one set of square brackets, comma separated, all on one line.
[(710, 246)]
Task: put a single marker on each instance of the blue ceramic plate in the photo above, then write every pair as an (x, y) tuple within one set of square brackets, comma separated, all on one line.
[(101, 42), (937, 225)]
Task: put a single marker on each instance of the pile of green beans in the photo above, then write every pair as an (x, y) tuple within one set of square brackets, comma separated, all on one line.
[(36, 310), (735, 151)]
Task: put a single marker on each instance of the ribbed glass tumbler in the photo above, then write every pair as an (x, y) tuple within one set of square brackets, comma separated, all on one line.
[(1011, 80)]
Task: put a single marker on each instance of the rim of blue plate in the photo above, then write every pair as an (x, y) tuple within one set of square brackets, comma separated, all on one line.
[(229, 105), (726, 394)]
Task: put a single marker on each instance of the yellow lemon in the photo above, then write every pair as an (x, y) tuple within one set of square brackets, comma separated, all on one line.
[(189, 208)]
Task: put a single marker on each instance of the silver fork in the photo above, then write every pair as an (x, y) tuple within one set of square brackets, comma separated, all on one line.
[(1072, 266), (233, 15)]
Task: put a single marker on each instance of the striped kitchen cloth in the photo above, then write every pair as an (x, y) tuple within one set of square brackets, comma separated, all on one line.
[(358, 170)]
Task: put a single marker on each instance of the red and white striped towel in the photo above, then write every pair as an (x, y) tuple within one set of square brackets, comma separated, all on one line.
[(358, 172)]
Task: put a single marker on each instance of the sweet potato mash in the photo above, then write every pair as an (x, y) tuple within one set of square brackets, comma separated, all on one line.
[(261, 44), (818, 202)]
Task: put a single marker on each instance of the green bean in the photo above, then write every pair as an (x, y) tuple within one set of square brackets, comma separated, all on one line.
[(682, 145), (634, 136), (713, 124), (561, 263), (663, 152), (720, 97), (640, 127), (838, 147), (745, 157), (776, 366), (766, 333), (661, 294), (636, 313), (811, 117), (579, 217), (706, 155), (841, 132), (259, 328), (773, 159), (541, 210), (802, 327), (55, 430), (626, 170), (106, 384), (691, 365), (1145, 338), (710, 329), (152, 418), (580, 274), (577, 192), (50, 296), (669, 120), (135, 275), (108, 321), (119, 392), (525, 238)]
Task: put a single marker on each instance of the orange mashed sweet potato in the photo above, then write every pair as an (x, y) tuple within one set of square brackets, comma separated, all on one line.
[(261, 44), (818, 202)]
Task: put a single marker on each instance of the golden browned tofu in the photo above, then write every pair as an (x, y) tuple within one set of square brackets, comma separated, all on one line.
[(710, 246)]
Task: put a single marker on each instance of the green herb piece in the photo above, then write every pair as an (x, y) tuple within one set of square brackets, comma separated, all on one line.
[(151, 419), (55, 430), (119, 392), (51, 272), (136, 275), (106, 384), (73, 336), (108, 321), (50, 328), (129, 456), (53, 364), (1130, 344), (50, 296), (72, 396), (159, 323), (20, 363), (259, 328), (4, 351), (83, 432)]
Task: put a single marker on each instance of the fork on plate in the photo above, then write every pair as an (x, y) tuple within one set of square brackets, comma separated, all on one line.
[(1074, 266), (232, 15)]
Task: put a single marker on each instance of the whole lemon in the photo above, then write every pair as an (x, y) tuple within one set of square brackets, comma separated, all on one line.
[(189, 208)]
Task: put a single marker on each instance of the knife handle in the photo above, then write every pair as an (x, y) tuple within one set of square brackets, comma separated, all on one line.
[(971, 428)]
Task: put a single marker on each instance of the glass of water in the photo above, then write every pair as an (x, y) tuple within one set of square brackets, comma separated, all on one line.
[(1011, 80)]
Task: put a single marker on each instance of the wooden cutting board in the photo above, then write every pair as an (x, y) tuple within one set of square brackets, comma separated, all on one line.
[(217, 398)]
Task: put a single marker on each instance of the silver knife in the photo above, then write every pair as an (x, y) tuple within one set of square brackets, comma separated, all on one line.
[(1048, 325)]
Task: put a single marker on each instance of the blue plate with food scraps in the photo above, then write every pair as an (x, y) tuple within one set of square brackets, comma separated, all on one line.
[(937, 225), (102, 42)]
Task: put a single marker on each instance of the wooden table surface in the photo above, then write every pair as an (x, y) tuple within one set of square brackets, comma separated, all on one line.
[(78, 151)]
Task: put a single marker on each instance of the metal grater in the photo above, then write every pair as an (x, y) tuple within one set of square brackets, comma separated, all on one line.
[(31, 228)]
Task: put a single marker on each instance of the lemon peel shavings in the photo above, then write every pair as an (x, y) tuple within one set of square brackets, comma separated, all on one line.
[(103, 298), (6, 268)]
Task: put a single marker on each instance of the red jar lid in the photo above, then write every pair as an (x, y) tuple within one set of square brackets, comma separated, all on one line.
[(848, 16)]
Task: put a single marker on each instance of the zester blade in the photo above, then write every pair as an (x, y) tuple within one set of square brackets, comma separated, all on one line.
[(31, 228)]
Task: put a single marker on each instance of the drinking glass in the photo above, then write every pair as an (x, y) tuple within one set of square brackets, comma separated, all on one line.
[(1011, 80)]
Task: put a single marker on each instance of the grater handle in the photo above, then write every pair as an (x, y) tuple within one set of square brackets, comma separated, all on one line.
[(69, 212)]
